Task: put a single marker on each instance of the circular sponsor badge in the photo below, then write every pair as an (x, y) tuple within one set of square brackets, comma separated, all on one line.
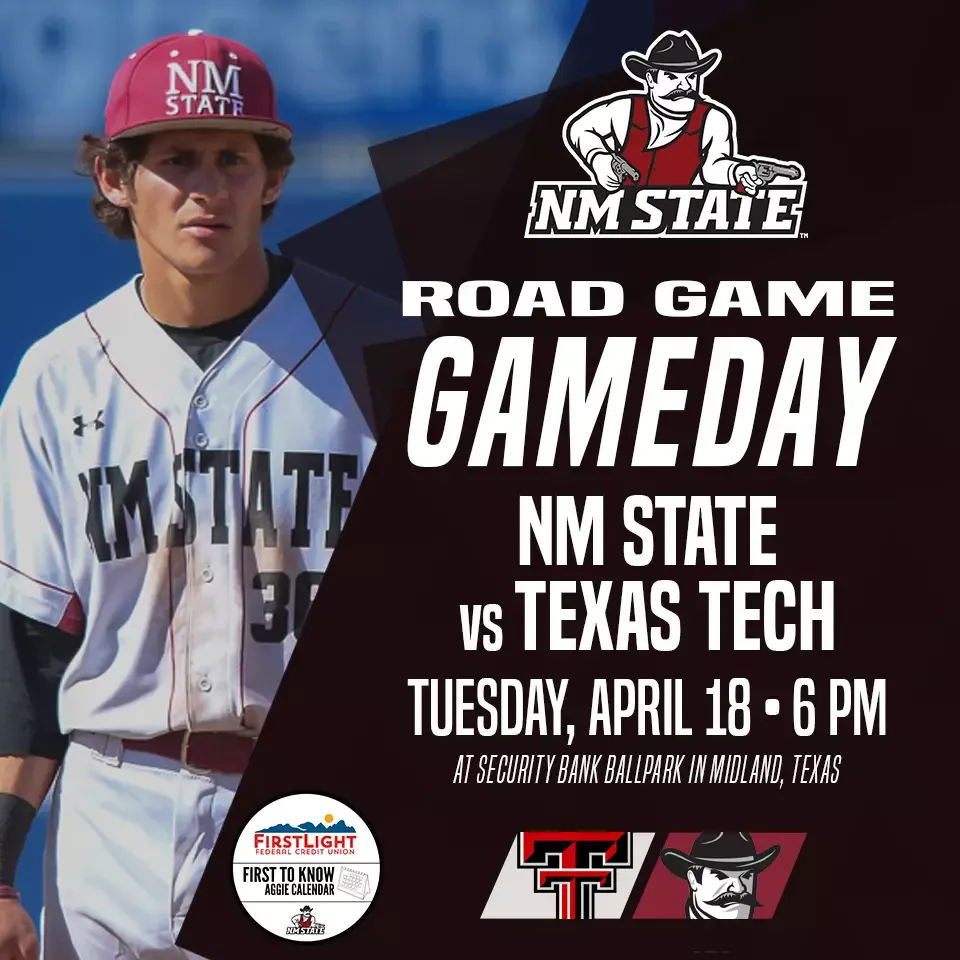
[(306, 867)]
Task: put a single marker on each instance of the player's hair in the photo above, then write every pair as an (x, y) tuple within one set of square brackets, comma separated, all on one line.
[(123, 156)]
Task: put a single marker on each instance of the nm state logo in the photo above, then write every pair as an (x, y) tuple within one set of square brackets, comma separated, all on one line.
[(304, 924), (664, 161), (205, 90), (326, 836)]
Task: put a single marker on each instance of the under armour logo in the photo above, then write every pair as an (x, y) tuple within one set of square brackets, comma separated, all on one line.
[(96, 423)]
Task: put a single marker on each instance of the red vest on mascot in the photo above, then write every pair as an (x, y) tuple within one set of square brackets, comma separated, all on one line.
[(674, 165)]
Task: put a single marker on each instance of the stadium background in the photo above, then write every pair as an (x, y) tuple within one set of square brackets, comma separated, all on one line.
[(349, 73)]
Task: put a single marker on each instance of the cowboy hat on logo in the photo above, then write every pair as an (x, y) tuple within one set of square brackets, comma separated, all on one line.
[(676, 52), (720, 851)]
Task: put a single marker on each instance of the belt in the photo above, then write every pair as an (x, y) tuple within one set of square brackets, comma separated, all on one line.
[(200, 752)]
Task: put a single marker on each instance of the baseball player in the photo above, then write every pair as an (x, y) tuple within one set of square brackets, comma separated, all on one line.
[(178, 463)]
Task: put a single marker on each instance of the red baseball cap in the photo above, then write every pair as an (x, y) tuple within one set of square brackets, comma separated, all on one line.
[(195, 80)]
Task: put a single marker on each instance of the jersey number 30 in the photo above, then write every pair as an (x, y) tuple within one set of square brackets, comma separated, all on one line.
[(276, 604)]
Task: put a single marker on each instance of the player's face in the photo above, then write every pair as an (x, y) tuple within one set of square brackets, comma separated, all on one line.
[(676, 92), (725, 895), (198, 197)]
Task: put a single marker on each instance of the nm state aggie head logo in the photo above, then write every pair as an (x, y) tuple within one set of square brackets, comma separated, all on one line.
[(304, 924), (664, 160)]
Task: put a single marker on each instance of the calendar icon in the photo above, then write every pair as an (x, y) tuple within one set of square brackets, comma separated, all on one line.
[(354, 882)]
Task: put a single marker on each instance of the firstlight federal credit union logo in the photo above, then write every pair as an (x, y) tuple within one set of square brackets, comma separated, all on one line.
[(663, 161), (306, 866), (307, 838)]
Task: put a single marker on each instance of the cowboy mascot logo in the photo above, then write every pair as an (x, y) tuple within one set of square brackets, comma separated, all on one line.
[(304, 922), (675, 151), (721, 871)]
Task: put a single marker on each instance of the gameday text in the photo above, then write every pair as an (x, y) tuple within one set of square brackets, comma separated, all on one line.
[(592, 400)]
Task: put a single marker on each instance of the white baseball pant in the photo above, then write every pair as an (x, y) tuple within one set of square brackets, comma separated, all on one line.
[(128, 838)]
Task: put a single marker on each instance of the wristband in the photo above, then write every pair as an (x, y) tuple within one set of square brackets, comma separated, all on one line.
[(16, 819), (9, 893)]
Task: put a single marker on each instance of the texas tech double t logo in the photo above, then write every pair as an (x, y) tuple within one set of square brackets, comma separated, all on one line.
[(574, 867)]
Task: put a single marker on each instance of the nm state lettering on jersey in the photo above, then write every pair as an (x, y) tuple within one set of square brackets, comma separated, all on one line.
[(114, 495), (180, 520), (281, 504)]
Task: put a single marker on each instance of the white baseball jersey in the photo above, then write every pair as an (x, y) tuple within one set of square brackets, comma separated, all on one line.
[(179, 520)]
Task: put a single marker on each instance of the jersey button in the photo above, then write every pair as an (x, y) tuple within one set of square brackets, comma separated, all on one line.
[(206, 574), (200, 401), (201, 440), (205, 685)]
